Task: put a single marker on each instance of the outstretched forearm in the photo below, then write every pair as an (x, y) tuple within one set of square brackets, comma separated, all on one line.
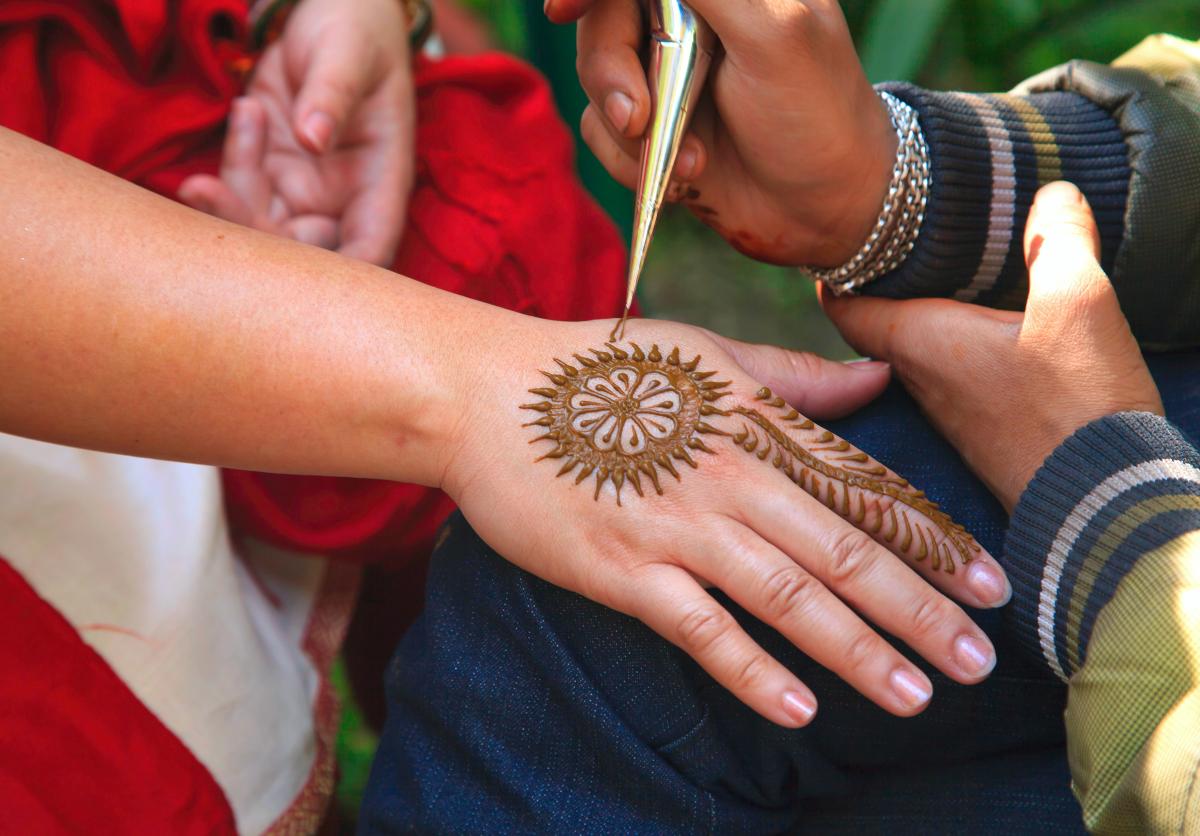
[(131, 324)]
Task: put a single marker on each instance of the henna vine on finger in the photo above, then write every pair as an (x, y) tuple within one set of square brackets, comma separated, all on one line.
[(628, 416)]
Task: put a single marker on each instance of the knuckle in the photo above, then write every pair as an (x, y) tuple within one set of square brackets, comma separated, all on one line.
[(929, 617), (753, 673), (851, 554), (789, 590), (797, 20), (702, 627), (861, 651), (807, 366)]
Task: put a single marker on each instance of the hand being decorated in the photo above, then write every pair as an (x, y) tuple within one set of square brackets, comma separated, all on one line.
[(681, 464), (320, 149)]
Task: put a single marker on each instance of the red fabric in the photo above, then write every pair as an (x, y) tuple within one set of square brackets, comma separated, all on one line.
[(497, 214), (79, 753), (142, 88)]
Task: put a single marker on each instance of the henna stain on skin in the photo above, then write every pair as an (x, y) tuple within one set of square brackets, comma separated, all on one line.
[(627, 416), (624, 416)]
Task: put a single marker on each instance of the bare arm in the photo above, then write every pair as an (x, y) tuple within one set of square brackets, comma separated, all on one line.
[(131, 324)]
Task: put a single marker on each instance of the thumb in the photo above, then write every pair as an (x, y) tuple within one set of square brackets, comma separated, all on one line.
[(336, 80), (820, 388), (1062, 251)]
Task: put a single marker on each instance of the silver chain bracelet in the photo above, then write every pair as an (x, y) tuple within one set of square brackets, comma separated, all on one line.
[(895, 232)]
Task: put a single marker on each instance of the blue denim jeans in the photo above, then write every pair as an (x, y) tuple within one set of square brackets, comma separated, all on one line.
[(516, 707)]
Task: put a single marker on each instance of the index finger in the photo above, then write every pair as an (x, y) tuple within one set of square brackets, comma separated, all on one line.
[(609, 41)]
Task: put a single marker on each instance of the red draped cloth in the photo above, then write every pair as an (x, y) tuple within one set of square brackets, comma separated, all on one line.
[(142, 88)]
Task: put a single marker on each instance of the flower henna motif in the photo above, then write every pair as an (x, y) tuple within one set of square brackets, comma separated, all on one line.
[(624, 416)]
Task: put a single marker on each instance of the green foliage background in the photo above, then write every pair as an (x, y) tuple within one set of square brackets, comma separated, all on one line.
[(980, 45)]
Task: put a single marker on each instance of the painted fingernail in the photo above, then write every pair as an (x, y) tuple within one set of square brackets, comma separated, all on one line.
[(989, 583), (975, 657), (868, 365), (318, 130), (618, 107), (912, 689), (799, 707)]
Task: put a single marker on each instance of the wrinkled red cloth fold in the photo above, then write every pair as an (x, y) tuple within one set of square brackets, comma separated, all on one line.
[(142, 88)]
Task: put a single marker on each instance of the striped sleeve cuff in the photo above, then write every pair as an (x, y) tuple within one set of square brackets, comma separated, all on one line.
[(1118, 489), (989, 155)]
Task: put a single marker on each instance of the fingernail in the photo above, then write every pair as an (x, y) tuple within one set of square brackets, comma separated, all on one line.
[(799, 707), (618, 107), (989, 584), (913, 689), (975, 657), (1061, 193), (318, 130), (868, 365), (687, 162)]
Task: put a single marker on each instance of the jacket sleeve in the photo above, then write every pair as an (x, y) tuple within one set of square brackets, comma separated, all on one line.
[(1104, 556), (1127, 134)]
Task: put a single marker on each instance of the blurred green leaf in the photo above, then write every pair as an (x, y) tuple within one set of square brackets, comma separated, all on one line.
[(898, 37)]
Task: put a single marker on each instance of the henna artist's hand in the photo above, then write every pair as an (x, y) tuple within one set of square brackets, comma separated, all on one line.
[(1007, 388), (638, 474), (320, 149), (791, 151)]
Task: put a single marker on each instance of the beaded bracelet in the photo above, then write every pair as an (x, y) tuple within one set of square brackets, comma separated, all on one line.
[(899, 224)]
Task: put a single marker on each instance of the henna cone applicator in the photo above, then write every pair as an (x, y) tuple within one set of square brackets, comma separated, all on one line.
[(681, 50)]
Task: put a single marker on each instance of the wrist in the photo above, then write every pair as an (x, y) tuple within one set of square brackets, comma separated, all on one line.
[(899, 221), (851, 205)]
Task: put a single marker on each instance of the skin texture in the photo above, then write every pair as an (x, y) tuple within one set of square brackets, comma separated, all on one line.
[(733, 521), (1007, 388), (320, 149), (134, 325), (790, 152), (622, 415)]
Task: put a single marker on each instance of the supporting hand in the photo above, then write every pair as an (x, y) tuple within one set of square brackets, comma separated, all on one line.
[(1007, 388), (677, 472), (321, 147), (791, 151)]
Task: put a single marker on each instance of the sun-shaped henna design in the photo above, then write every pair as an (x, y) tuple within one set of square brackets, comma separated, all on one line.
[(624, 416)]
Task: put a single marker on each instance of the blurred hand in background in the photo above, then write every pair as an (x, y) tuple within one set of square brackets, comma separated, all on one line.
[(320, 149)]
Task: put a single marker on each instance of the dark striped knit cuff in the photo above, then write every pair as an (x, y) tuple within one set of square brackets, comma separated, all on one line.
[(1117, 489), (989, 156)]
